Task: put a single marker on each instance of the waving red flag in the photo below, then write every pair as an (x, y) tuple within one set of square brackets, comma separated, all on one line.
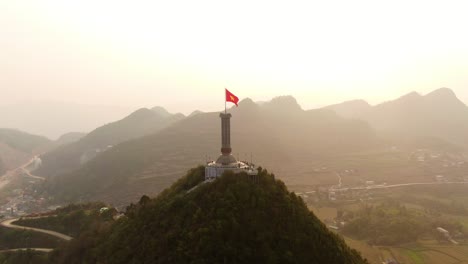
[(230, 97)]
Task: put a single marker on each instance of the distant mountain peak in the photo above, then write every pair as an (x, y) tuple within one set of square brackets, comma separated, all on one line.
[(442, 92), (142, 112), (286, 102), (69, 137), (446, 98), (178, 116), (194, 113), (358, 102), (413, 94), (247, 101), (352, 103), (407, 99), (350, 109), (160, 111), (247, 104)]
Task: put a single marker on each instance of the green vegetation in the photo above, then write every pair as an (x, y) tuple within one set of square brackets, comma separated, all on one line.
[(415, 256), (235, 219), (433, 206), (391, 224), (12, 238), (72, 219), (448, 200)]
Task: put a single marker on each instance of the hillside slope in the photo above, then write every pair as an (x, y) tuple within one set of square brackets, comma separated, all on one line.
[(279, 134), (351, 109), (439, 114), (234, 219), (17, 147), (71, 156), (69, 137), (53, 119)]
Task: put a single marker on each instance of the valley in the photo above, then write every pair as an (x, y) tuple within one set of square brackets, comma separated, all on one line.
[(430, 246), (21, 192)]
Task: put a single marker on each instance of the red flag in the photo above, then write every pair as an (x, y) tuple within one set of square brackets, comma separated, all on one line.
[(230, 97)]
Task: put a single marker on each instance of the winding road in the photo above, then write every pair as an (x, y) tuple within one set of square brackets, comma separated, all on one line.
[(395, 185), (35, 249), (27, 172), (6, 178), (9, 224)]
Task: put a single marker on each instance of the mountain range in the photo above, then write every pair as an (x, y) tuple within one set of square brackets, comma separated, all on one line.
[(439, 114), (146, 151), (71, 156), (53, 119), (279, 133)]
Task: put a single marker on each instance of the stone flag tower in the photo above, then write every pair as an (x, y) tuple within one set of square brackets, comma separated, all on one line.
[(226, 160)]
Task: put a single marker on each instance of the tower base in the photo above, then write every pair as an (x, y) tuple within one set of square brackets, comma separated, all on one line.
[(215, 169)]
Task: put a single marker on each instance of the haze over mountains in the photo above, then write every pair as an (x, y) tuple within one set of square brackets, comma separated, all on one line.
[(53, 119), (141, 122), (279, 133), (149, 149), (404, 142), (439, 114), (17, 147)]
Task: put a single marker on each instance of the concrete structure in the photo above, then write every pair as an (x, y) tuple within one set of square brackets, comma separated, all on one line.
[(226, 161)]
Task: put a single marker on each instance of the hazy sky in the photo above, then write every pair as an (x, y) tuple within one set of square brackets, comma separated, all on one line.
[(181, 54)]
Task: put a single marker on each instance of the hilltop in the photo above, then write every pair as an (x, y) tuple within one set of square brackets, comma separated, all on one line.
[(235, 219)]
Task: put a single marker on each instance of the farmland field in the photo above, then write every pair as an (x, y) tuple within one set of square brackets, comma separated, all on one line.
[(426, 250)]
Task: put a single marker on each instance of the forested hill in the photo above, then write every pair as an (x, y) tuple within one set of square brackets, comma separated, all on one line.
[(235, 219)]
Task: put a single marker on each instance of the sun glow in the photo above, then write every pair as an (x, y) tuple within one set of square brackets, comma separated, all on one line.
[(318, 51)]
